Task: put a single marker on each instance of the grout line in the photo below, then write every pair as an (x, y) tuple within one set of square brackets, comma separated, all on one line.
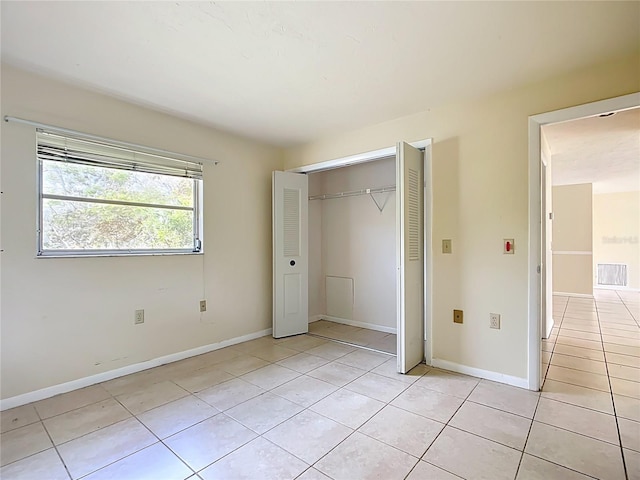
[(562, 466), (344, 342), (627, 308), (53, 444), (152, 433), (613, 404), (261, 435), (526, 440), (611, 393), (553, 349), (364, 423), (579, 433)]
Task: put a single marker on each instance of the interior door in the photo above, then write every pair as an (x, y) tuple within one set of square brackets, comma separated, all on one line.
[(409, 255), (290, 254)]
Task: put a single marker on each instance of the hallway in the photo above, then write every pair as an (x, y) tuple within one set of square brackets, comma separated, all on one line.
[(592, 387)]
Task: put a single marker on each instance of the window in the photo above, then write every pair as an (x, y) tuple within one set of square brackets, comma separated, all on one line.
[(105, 199)]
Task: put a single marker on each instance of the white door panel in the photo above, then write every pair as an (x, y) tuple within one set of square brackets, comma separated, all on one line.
[(290, 254), (409, 255)]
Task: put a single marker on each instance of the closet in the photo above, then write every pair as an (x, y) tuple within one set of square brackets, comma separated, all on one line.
[(342, 236), (352, 290)]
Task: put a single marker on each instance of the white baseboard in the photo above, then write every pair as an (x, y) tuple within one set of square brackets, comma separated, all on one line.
[(613, 287), (550, 325), (315, 318), (353, 323), (48, 392), (567, 294), (478, 372)]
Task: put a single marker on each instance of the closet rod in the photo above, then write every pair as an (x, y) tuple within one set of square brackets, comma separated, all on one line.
[(353, 193)]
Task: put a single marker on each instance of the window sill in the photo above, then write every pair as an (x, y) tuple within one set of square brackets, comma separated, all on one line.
[(113, 254)]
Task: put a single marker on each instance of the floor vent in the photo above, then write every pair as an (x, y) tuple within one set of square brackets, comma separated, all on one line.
[(614, 274)]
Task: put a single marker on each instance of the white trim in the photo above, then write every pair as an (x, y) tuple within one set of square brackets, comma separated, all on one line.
[(624, 102), (616, 287), (567, 294), (358, 158), (550, 324), (478, 372), (570, 252), (428, 257), (48, 392), (315, 318), (354, 323)]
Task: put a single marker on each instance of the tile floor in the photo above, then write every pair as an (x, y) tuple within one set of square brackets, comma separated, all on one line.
[(310, 409), (592, 385), (383, 342)]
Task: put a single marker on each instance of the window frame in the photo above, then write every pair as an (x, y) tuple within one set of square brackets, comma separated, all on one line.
[(198, 200)]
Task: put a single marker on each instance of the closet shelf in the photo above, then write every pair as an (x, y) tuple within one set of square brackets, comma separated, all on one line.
[(353, 193)]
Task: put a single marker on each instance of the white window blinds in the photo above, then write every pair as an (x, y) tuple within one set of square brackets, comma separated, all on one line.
[(64, 148)]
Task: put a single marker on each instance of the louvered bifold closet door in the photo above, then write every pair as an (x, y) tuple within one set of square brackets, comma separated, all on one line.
[(290, 254), (410, 256)]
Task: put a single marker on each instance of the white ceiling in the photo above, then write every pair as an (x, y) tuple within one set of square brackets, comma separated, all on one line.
[(604, 151), (290, 72)]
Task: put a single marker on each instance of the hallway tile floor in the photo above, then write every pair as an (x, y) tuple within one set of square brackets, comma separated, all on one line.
[(310, 409)]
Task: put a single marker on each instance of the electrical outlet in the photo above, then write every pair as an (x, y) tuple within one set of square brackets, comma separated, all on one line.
[(203, 305), (494, 320), (457, 316), (139, 317)]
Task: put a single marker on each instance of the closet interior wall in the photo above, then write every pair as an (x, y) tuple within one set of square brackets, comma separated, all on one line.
[(352, 264)]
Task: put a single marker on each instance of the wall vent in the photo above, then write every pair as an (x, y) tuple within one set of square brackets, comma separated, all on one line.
[(612, 274)]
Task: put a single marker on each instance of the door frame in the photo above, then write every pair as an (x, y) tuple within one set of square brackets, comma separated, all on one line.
[(536, 277), (379, 154)]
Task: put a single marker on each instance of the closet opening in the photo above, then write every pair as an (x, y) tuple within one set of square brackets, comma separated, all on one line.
[(351, 246), (352, 255)]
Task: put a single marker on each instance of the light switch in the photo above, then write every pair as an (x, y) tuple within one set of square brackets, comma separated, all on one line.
[(446, 246)]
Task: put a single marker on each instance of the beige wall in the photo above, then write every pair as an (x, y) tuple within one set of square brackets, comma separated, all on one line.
[(572, 218), (572, 239), (616, 232), (480, 196), (357, 241), (64, 319)]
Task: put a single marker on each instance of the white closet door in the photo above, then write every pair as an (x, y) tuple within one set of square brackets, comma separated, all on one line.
[(410, 255), (290, 254)]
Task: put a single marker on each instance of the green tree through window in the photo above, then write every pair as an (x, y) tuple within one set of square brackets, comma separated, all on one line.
[(88, 208)]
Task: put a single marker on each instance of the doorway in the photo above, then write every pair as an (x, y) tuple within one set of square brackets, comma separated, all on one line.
[(352, 254), (540, 291), (412, 247), (595, 194)]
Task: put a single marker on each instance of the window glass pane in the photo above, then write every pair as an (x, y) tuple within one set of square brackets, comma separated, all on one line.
[(59, 178), (69, 225)]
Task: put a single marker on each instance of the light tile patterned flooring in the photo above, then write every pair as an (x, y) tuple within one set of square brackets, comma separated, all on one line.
[(312, 409), (384, 342)]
